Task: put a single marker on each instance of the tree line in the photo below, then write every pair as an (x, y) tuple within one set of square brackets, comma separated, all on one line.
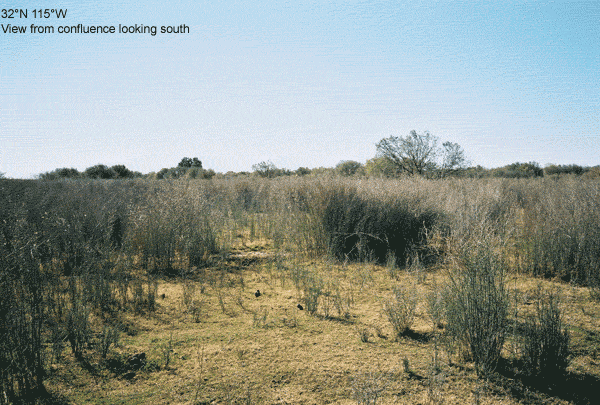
[(416, 154)]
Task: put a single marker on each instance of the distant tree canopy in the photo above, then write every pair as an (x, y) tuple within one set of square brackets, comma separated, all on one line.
[(99, 172), (519, 170), (180, 172), (564, 169), (302, 171), (381, 167), (94, 172), (187, 162), (348, 168), (453, 158), (416, 154), (412, 154), (62, 173), (265, 169)]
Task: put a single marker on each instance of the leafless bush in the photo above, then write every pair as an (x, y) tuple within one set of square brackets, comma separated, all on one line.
[(367, 388), (546, 340), (400, 309), (109, 337), (476, 303)]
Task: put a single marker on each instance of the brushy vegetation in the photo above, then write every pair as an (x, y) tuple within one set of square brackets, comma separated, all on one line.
[(77, 254), (477, 304), (400, 309), (546, 340)]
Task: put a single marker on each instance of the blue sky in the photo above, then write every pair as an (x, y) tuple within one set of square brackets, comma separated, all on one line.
[(299, 83)]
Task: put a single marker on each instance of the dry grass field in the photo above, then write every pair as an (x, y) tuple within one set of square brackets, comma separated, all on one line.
[(207, 337), (240, 349)]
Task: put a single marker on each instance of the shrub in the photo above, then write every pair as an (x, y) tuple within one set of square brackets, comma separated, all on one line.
[(78, 328), (546, 340), (109, 337), (62, 173), (560, 230), (172, 229), (22, 314), (476, 304), (400, 309), (348, 168), (122, 172), (360, 228), (368, 387)]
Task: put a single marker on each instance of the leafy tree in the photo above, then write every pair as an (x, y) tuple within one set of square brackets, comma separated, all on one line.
[(178, 172), (2, 175), (122, 172), (187, 162), (416, 154), (62, 173), (265, 169), (453, 157), (413, 154), (519, 170), (198, 173), (381, 167), (302, 171), (475, 172), (100, 172), (68, 173), (564, 169), (162, 173), (322, 172), (208, 174), (348, 167)]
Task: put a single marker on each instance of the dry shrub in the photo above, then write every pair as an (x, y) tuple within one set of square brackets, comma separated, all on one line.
[(400, 309), (546, 340), (477, 303)]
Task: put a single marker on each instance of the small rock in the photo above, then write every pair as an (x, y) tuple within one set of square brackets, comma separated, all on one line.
[(257, 293)]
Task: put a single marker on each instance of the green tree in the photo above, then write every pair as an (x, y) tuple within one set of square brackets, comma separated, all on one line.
[(302, 171), (413, 154), (62, 173), (265, 169), (381, 167), (187, 162), (348, 167), (519, 170), (100, 172), (453, 158), (564, 169), (70, 173), (122, 172), (162, 173)]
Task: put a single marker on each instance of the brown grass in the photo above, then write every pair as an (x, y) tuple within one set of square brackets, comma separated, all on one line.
[(223, 345), (294, 358)]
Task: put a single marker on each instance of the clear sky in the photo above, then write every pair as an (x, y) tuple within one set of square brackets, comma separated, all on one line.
[(298, 83)]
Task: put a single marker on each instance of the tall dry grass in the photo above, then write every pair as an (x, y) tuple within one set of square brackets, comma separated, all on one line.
[(70, 247)]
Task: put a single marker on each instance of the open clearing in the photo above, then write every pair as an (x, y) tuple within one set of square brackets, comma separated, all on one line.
[(228, 346)]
